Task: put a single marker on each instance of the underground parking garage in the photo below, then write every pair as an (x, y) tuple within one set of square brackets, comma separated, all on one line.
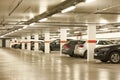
[(59, 40)]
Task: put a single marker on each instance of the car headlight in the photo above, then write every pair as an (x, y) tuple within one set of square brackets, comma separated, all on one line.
[(104, 49)]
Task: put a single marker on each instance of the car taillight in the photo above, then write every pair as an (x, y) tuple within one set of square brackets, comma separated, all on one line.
[(81, 46), (66, 46)]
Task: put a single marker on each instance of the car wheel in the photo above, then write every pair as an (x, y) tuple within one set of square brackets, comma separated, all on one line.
[(85, 55), (115, 57), (51, 49), (104, 60), (72, 54)]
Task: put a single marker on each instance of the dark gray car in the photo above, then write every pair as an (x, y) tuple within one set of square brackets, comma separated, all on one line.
[(108, 53)]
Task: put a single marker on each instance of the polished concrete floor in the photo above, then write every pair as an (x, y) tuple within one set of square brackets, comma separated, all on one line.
[(24, 65)]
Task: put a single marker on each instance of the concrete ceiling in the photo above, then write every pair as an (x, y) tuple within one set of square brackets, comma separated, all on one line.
[(15, 14)]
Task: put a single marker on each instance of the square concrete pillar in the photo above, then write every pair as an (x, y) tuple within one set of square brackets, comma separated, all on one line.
[(91, 42), (36, 42), (28, 43), (63, 38), (47, 42)]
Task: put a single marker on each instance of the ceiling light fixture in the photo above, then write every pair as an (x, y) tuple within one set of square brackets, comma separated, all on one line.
[(62, 0), (103, 29), (19, 29), (76, 32), (24, 27), (44, 19), (32, 24), (2, 36), (103, 21), (89, 1), (15, 30), (31, 15), (68, 9), (118, 27)]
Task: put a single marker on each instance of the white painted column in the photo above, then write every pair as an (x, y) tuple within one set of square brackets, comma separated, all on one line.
[(28, 43), (36, 42), (79, 36), (23, 42), (63, 38), (47, 42), (91, 42), (7, 43), (0, 43)]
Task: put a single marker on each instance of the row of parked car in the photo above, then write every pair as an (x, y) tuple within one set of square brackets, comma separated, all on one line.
[(16, 46), (104, 51)]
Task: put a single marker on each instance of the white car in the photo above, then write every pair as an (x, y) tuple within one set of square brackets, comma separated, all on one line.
[(81, 48)]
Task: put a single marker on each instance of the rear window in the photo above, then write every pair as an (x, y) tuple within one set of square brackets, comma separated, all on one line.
[(75, 42), (104, 42), (81, 42)]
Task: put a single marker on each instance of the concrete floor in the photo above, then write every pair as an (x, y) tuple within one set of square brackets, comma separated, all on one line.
[(23, 65)]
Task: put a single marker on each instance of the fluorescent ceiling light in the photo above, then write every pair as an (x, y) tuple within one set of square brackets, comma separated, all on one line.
[(103, 21), (89, 1), (77, 32), (103, 29), (31, 15), (44, 19), (24, 27), (118, 18), (1, 36), (19, 29), (15, 30), (62, 0), (68, 9), (32, 24), (118, 27), (68, 29)]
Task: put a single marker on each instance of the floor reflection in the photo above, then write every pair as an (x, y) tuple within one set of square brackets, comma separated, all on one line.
[(23, 65)]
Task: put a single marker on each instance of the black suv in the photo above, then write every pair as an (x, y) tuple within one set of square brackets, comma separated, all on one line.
[(108, 53)]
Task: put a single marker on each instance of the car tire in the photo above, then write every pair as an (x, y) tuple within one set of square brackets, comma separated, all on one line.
[(51, 49), (72, 54), (114, 57), (85, 55), (104, 60)]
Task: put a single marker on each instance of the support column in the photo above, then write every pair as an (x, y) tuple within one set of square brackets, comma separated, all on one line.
[(79, 36), (47, 42), (63, 38), (28, 43), (36, 42), (23, 42), (91, 42)]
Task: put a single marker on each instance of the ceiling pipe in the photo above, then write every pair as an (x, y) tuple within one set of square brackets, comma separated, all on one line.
[(16, 7), (107, 8), (56, 9)]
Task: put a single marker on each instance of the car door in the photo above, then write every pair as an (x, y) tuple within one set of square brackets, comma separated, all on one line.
[(55, 45)]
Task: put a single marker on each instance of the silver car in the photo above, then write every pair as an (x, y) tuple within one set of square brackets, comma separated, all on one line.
[(81, 48)]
